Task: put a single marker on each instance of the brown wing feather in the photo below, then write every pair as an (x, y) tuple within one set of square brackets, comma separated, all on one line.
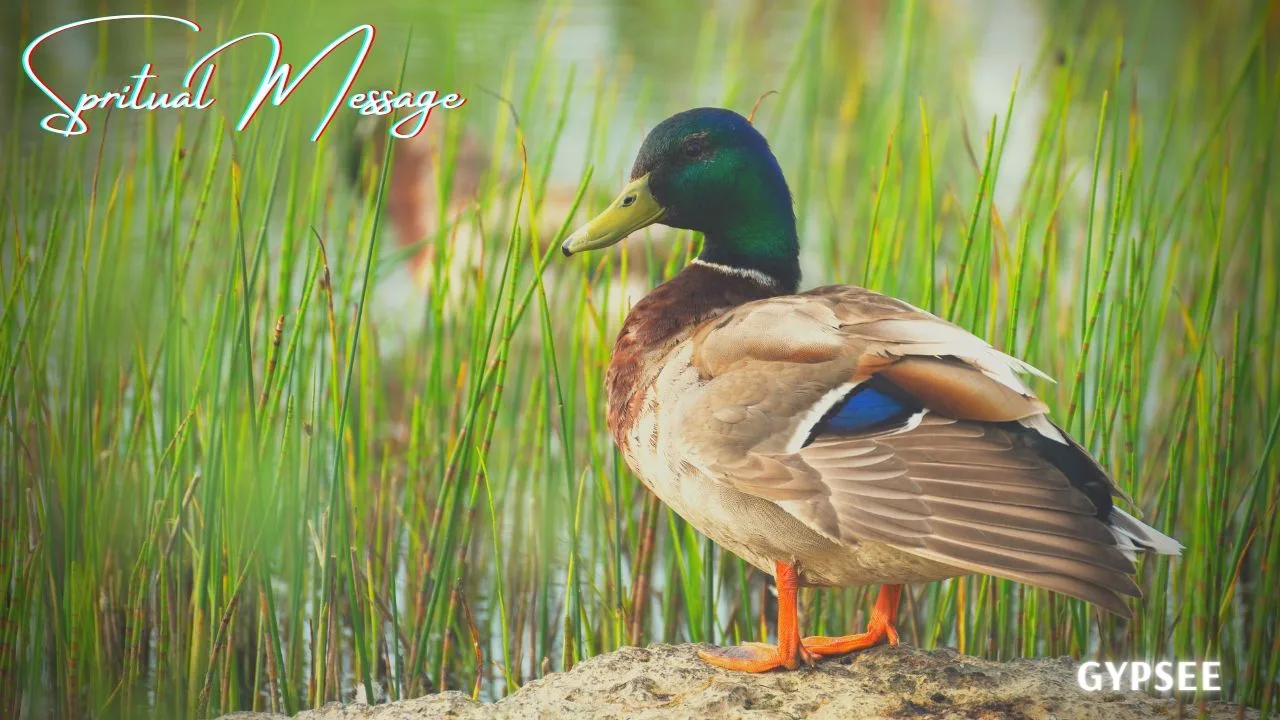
[(954, 389), (993, 506), (963, 487)]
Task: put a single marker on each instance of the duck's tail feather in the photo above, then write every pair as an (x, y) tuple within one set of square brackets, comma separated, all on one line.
[(1134, 536)]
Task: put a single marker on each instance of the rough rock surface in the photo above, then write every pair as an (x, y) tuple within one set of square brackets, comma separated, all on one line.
[(886, 682)]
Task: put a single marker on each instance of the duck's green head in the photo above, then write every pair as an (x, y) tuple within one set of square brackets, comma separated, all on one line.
[(707, 170)]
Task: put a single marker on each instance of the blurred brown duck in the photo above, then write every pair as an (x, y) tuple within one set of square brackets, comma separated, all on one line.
[(835, 437), (411, 195)]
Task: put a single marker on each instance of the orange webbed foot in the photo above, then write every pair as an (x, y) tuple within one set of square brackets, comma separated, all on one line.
[(826, 646), (761, 657), (756, 657), (879, 629)]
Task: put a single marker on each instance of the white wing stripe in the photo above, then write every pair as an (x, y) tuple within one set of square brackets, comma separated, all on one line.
[(814, 415)]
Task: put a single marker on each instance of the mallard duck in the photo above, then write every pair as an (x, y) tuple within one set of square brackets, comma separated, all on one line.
[(835, 437)]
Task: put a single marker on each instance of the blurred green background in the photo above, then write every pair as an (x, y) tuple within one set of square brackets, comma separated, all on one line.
[(284, 422)]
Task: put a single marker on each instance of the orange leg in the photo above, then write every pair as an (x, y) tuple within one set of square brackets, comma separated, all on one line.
[(761, 657), (879, 628)]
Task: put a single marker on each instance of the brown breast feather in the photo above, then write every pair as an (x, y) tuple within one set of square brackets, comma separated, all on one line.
[(658, 323)]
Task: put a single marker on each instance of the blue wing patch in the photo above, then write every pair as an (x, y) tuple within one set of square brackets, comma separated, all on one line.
[(862, 409), (870, 406)]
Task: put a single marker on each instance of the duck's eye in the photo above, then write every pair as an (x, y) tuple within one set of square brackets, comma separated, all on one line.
[(693, 148)]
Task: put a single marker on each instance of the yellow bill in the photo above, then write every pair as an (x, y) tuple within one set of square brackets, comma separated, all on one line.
[(634, 208)]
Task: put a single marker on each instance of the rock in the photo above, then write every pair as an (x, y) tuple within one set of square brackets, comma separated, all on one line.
[(885, 682)]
